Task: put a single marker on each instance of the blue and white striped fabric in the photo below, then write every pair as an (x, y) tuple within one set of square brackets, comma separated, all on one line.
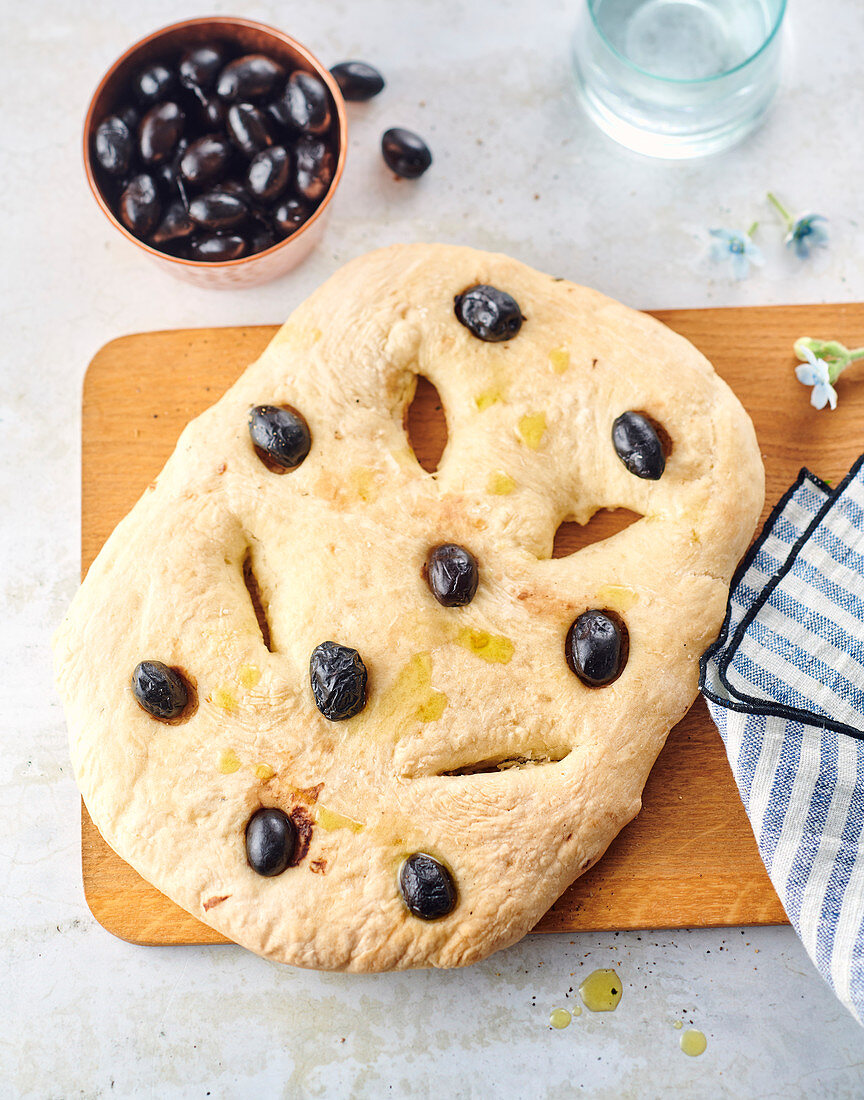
[(785, 684)]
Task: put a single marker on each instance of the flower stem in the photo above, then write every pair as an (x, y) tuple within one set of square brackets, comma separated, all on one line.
[(781, 209), (752, 229)]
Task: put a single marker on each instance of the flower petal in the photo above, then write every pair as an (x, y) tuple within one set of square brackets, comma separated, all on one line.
[(809, 355), (806, 375), (808, 217), (754, 253), (740, 265), (819, 396)]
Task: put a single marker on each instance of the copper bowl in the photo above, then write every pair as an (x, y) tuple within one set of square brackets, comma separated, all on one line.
[(248, 37)]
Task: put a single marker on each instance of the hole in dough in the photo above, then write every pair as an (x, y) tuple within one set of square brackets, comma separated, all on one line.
[(605, 522), (251, 582), (505, 764), (426, 425)]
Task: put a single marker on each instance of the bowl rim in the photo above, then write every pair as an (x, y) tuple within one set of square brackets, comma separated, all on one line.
[(228, 22)]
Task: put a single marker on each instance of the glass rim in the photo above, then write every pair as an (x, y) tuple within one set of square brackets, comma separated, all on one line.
[(769, 38)]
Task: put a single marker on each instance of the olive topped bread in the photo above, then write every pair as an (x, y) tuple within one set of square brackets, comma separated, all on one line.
[(354, 715)]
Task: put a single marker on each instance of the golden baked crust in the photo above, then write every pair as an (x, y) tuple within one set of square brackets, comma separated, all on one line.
[(337, 548)]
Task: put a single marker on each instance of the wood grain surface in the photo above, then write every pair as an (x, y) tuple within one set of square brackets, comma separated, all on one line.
[(689, 858)]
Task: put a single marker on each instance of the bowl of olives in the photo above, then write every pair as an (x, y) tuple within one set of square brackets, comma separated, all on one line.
[(216, 145)]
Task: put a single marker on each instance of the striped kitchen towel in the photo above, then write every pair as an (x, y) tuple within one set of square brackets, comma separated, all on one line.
[(785, 684)]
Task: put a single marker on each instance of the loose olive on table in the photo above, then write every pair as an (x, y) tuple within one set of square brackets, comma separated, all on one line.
[(357, 81), (405, 153), (212, 155)]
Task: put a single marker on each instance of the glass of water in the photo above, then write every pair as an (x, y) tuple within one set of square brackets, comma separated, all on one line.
[(678, 78)]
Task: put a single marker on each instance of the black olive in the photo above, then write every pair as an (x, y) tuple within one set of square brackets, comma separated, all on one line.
[(268, 172), (427, 887), (271, 840), (277, 112), (113, 145), (262, 239), (313, 167), (217, 247), (452, 575), (289, 215), (160, 690), (638, 446), (174, 226), (338, 678), (159, 132), (307, 103), (153, 84), (167, 174), (213, 113), (252, 76), (218, 210), (200, 66), (489, 313), (206, 160), (247, 128), (131, 116), (280, 435), (139, 207), (236, 188), (405, 153), (597, 647), (357, 81)]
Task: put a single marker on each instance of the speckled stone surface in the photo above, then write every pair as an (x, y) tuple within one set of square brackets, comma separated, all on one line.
[(517, 168)]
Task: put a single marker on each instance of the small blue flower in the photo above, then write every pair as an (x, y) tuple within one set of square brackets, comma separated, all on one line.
[(815, 373), (804, 235), (735, 245)]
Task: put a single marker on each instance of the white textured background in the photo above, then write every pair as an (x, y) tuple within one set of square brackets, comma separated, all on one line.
[(517, 168)]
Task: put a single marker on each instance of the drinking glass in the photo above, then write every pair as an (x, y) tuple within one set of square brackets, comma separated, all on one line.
[(678, 78)]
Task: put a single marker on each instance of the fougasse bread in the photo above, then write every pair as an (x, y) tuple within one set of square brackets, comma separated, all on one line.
[(354, 715)]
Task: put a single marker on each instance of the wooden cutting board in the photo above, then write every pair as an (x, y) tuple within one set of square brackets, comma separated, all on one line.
[(689, 858)]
